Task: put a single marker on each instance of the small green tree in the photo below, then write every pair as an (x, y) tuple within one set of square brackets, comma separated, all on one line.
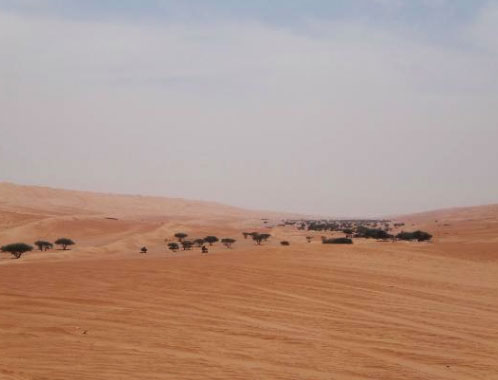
[(227, 242), (211, 239), (16, 249), (64, 242), (173, 247), (181, 236), (43, 245)]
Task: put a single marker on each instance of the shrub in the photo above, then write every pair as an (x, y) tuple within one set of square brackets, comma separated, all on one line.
[(227, 242), (64, 242), (284, 242), (173, 246), (342, 240), (180, 236), (417, 235), (211, 239), (309, 238), (143, 250), (43, 245), (16, 249)]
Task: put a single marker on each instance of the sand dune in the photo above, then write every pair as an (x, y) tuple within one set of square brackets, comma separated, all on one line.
[(309, 311)]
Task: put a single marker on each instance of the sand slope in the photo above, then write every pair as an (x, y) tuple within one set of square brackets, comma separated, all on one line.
[(369, 311)]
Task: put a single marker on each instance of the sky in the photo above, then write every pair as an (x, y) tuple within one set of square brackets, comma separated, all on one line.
[(342, 108)]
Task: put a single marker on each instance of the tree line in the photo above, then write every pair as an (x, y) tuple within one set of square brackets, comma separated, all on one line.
[(18, 249)]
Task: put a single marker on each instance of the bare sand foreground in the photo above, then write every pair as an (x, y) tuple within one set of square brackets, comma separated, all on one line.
[(368, 311)]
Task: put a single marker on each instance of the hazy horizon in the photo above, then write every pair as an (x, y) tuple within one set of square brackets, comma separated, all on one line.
[(340, 108)]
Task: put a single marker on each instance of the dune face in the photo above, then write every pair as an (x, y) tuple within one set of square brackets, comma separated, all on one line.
[(373, 310)]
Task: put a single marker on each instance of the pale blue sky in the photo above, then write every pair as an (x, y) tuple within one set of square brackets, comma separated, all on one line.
[(344, 108)]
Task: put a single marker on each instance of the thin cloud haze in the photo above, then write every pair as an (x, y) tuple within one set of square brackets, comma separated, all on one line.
[(332, 114)]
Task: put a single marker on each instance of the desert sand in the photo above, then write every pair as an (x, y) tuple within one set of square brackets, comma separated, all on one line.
[(373, 310)]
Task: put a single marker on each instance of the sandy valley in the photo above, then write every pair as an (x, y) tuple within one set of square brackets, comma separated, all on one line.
[(372, 310)]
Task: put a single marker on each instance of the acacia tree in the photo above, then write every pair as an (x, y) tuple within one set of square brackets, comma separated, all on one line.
[(43, 245), (16, 249), (64, 242), (259, 238), (173, 247), (246, 234), (211, 239), (143, 250), (181, 236), (227, 242)]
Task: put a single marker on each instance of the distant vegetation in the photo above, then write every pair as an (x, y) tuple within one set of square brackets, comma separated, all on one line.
[(284, 243), (417, 235), (187, 245), (227, 242), (43, 245), (211, 239), (173, 247), (378, 229), (342, 240), (180, 236), (16, 249), (371, 233), (64, 243), (259, 238)]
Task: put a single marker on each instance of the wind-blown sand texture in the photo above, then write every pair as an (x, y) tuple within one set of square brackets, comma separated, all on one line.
[(309, 311)]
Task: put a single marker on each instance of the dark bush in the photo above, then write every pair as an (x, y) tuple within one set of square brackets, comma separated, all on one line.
[(372, 233), (173, 246), (417, 235), (143, 250), (285, 243), (337, 241)]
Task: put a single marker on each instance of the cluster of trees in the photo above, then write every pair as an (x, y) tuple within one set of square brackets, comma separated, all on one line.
[(336, 225), (342, 240), (256, 236), (376, 233), (199, 242), (371, 233), (357, 228), (18, 249), (416, 235)]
